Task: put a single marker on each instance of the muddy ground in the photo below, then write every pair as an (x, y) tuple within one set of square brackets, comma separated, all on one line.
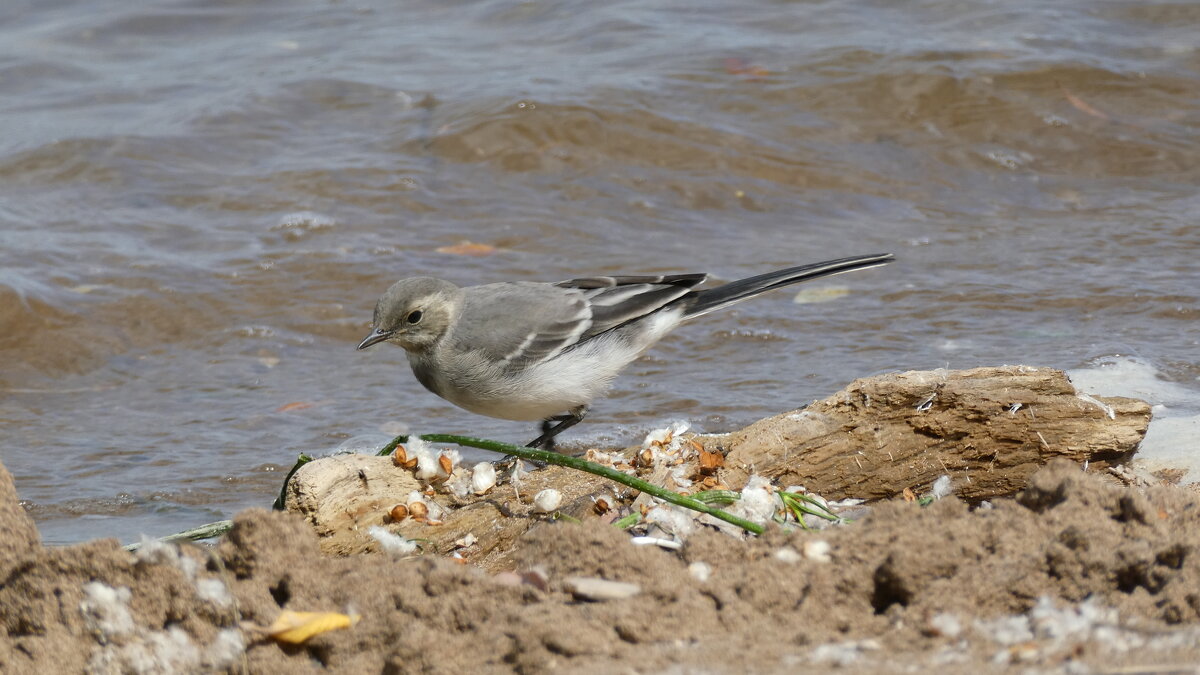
[(1075, 575)]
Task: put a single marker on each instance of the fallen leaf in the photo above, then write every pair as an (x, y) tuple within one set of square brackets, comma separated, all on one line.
[(297, 627), (738, 66), (294, 405), (1083, 106), (820, 294), (909, 495), (468, 248)]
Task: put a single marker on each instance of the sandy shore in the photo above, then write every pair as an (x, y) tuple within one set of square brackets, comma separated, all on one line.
[(1074, 575)]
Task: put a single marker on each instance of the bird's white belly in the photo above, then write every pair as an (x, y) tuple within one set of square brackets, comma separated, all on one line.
[(572, 379), (546, 389)]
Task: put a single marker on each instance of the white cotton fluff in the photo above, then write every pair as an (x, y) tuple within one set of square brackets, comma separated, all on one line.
[(153, 551), (942, 487), (225, 649), (214, 591), (757, 503), (700, 571), (787, 554), (667, 439), (392, 544), (129, 648), (106, 610), (459, 484), (427, 463), (818, 550), (674, 519)]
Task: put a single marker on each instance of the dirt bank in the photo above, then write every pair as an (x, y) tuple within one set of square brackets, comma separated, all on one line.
[(1075, 575)]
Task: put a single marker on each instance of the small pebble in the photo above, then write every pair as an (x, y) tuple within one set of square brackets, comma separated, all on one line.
[(598, 590)]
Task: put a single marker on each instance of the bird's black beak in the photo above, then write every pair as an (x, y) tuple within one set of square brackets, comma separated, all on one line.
[(375, 336)]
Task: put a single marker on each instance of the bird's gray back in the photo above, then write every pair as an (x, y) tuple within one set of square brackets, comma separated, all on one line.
[(518, 323)]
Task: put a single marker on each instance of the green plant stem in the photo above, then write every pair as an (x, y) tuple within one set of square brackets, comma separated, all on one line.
[(628, 521), (195, 534), (281, 500), (535, 455), (800, 504)]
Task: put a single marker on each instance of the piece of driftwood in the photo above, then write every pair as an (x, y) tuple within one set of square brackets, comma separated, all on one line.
[(988, 428), (348, 492)]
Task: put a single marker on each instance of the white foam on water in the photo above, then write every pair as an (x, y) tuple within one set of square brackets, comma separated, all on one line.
[(1173, 439)]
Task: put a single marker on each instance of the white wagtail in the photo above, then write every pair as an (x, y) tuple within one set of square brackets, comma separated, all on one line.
[(526, 350)]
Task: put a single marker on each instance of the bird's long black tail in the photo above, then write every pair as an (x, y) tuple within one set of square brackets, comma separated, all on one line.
[(734, 291)]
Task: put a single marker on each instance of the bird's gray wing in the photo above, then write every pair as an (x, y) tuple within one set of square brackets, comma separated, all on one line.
[(522, 323), (618, 300)]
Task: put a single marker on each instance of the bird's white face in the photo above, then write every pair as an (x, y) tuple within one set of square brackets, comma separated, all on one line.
[(414, 313)]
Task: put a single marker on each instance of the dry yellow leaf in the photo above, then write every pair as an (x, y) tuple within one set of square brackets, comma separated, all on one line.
[(297, 627), (468, 248)]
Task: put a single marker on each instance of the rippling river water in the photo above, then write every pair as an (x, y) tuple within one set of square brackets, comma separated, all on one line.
[(200, 202)]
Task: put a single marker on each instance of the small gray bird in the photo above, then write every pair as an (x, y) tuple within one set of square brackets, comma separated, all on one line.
[(543, 351)]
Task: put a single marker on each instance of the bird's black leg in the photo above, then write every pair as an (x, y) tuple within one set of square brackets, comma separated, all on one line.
[(554, 426)]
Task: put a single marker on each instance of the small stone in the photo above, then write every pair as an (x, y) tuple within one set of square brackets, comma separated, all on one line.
[(599, 590), (787, 554)]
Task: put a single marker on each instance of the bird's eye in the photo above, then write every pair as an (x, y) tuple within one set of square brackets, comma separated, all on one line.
[(413, 317)]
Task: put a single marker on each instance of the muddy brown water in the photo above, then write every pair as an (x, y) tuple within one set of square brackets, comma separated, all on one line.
[(200, 202)]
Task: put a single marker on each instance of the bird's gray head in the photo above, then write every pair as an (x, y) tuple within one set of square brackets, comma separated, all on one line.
[(414, 313)]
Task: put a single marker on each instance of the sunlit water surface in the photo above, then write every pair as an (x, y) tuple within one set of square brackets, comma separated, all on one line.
[(200, 202)]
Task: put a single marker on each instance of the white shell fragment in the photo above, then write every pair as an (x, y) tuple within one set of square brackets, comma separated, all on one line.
[(483, 477), (547, 500)]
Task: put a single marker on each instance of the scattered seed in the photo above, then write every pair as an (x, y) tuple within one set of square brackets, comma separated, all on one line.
[(418, 511), (710, 462)]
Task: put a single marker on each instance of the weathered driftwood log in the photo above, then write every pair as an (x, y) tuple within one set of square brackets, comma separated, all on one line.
[(988, 428), (348, 492)]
